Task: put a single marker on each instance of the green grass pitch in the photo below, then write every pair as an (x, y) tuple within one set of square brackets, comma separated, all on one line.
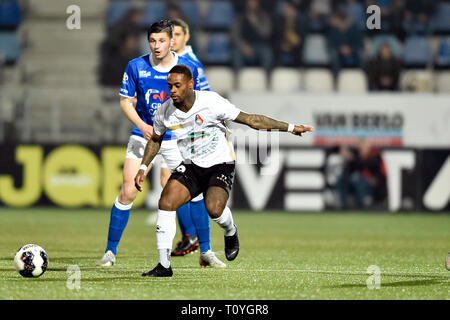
[(283, 256)]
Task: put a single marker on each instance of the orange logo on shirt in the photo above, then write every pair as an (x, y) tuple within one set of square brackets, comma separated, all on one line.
[(198, 120), (161, 96)]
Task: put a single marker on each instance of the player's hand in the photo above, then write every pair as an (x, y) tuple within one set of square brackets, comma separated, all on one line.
[(298, 130), (147, 131), (139, 180)]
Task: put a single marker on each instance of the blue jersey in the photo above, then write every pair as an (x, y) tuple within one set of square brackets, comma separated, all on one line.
[(189, 54), (149, 83)]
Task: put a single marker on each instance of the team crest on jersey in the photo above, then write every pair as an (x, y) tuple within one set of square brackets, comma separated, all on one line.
[(162, 96), (198, 120)]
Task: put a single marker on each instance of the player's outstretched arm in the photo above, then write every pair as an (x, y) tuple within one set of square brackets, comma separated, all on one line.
[(261, 122), (151, 149)]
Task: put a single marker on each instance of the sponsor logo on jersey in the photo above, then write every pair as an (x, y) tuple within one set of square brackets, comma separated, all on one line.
[(144, 74), (160, 77), (198, 120), (125, 78)]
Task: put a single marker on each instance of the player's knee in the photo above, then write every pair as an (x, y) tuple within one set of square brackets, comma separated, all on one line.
[(166, 204), (214, 208), (127, 193)]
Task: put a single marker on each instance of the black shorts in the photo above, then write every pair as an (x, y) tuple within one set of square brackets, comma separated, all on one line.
[(198, 179)]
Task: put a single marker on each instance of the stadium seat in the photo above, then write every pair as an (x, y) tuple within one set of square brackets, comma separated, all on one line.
[(9, 46), (10, 14), (391, 40), (285, 80), (221, 79), (117, 9), (358, 12), (217, 49), (318, 80), (416, 80), (351, 81), (219, 15), (442, 18), (442, 82), (154, 11), (417, 52), (252, 79), (191, 11), (443, 54), (315, 52)]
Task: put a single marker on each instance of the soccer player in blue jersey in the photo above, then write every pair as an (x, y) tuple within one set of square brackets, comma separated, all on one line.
[(145, 80)]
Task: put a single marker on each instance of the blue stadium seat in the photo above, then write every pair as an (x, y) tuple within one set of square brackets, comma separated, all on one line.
[(315, 51), (154, 11), (218, 49), (391, 40), (443, 54), (116, 11), (442, 18), (220, 15), (417, 52), (10, 14), (191, 11), (357, 12), (9, 46)]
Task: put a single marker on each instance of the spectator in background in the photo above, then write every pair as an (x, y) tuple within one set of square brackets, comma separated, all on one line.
[(417, 16), (363, 176), (289, 35), (251, 35), (384, 70), (120, 46), (318, 11), (345, 42)]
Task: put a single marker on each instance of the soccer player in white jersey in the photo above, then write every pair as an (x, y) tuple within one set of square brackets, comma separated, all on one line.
[(195, 210), (196, 119), (146, 79)]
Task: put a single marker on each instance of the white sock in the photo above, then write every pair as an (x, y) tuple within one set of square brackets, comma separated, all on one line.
[(166, 227), (225, 221)]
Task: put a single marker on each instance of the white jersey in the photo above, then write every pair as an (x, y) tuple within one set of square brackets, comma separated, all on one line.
[(201, 135)]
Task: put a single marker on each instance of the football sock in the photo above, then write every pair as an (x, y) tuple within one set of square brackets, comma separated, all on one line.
[(120, 213), (185, 220), (200, 218), (225, 221), (166, 227)]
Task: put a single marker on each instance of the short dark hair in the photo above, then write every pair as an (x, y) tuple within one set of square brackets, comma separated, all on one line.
[(182, 69), (165, 25), (181, 23)]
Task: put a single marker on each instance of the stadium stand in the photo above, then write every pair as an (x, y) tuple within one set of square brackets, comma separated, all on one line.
[(284, 79), (37, 65), (221, 79), (352, 81), (252, 79), (315, 51), (318, 80)]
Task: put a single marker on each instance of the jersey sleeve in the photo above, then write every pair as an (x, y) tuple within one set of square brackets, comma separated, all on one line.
[(200, 81), (158, 124), (224, 109), (129, 80)]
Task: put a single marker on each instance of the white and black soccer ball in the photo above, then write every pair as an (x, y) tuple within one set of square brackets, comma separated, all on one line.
[(31, 261)]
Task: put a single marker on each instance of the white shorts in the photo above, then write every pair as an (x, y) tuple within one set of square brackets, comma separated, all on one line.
[(170, 155)]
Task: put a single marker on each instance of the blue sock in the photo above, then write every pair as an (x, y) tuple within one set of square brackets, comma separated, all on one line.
[(120, 213), (201, 220), (185, 220)]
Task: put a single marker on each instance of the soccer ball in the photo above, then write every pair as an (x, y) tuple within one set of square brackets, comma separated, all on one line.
[(31, 261)]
